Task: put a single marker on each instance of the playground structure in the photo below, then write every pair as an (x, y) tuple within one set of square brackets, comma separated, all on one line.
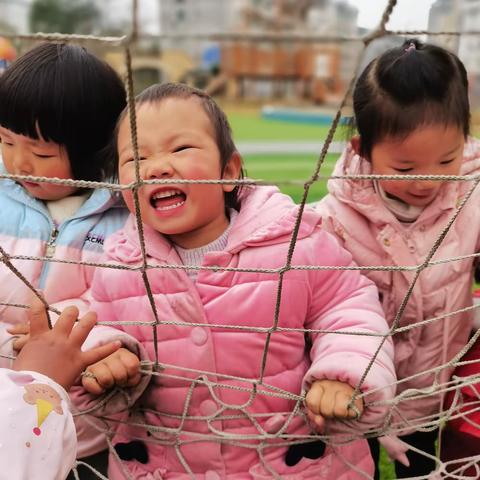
[(308, 71)]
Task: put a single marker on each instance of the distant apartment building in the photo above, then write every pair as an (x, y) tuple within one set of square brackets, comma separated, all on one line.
[(462, 16), (469, 45), (116, 16), (317, 70), (337, 18), (16, 15), (195, 17), (445, 16)]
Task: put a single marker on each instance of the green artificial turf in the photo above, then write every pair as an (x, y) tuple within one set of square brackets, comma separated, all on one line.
[(252, 127), (277, 168)]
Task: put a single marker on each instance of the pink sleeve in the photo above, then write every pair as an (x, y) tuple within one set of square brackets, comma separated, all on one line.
[(345, 301), (89, 408)]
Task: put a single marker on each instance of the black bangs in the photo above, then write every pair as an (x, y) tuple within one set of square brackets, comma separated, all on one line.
[(27, 97), (409, 87), (397, 121), (64, 94)]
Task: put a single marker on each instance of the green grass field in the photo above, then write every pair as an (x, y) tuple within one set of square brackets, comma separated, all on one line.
[(277, 168), (250, 126)]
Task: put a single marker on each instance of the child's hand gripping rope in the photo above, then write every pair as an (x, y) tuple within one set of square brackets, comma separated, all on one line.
[(325, 399), (121, 368), (331, 399), (57, 353)]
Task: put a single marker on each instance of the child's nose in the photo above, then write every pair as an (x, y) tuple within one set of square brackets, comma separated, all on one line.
[(159, 168), (426, 185), (21, 164)]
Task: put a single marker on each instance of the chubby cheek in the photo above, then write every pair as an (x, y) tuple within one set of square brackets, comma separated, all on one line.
[(128, 198), (125, 178), (7, 161), (200, 169)]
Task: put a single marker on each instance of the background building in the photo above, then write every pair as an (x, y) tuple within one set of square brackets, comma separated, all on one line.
[(15, 15), (445, 16), (195, 17)]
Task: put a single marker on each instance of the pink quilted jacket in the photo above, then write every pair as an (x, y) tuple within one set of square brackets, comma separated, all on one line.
[(203, 360), (367, 229)]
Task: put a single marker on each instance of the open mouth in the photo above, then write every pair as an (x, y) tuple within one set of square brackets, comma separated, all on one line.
[(167, 200)]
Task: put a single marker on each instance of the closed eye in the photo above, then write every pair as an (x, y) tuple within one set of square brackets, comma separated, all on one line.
[(446, 162), (42, 155), (131, 159), (403, 170), (181, 148)]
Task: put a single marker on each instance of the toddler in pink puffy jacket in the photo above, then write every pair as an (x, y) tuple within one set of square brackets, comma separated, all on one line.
[(412, 116), (224, 321)]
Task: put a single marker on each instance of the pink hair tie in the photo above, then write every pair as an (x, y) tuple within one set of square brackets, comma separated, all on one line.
[(411, 47)]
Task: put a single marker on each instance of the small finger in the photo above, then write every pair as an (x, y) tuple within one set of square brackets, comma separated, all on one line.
[(134, 381), (131, 362), (317, 420), (38, 317), (314, 397), (119, 373), (83, 328), (99, 353), (90, 384), (103, 375), (20, 342), (341, 403), (20, 328), (66, 321), (327, 405)]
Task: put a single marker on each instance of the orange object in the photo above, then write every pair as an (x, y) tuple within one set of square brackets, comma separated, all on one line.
[(7, 50)]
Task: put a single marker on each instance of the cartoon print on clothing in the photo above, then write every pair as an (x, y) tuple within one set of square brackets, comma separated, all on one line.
[(46, 400)]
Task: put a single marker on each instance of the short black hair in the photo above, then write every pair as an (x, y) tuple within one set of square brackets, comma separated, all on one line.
[(68, 96), (223, 133), (408, 87)]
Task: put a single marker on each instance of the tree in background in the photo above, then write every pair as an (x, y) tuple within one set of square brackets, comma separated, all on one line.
[(64, 16)]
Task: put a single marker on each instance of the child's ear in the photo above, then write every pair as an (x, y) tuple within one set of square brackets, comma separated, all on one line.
[(232, 171), (356, 143)]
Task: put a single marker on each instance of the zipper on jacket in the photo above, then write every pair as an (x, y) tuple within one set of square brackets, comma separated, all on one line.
[(51, 242)]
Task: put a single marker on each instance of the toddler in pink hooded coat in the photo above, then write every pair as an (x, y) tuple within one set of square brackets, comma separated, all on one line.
[(412, 116)]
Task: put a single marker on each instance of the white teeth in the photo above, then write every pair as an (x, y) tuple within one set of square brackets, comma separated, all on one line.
[(170, 207), (166, 193)]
